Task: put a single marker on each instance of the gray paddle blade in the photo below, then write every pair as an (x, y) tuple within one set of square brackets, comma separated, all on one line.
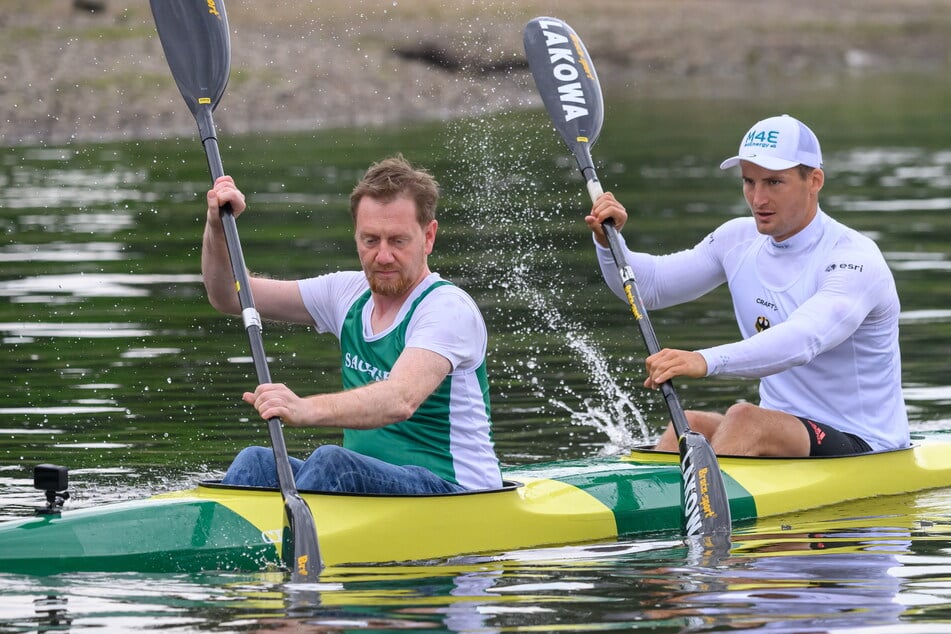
[(706, 504), (197, 45), (566, 80)]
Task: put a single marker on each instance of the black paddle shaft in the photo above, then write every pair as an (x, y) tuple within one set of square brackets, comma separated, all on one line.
[(197, 46), (569, 88), (300, 549)]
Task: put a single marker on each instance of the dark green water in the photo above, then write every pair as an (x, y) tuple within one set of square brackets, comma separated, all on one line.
[(115, 365)]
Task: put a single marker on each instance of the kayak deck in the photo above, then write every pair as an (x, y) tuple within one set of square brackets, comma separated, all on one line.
[(217, 527), (781, 485)]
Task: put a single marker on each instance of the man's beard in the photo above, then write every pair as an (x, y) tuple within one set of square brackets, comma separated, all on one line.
[(388, 287)]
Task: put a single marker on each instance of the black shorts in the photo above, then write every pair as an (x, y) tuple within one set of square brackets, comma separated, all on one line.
[(829, 441)]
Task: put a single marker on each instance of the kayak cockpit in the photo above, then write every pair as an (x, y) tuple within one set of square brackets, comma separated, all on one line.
[(507, 485)]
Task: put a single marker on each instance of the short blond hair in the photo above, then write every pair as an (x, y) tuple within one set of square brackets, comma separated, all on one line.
[(393, 177)]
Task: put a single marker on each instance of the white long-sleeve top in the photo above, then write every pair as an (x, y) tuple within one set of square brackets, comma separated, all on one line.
[(818, 313)]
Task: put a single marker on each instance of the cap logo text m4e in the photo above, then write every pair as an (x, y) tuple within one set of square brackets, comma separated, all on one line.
[(762, 138)]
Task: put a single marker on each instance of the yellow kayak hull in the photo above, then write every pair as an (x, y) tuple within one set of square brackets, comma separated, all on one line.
[(216, 527)]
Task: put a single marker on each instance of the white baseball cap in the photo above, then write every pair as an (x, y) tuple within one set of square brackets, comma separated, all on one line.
[(778, 143)]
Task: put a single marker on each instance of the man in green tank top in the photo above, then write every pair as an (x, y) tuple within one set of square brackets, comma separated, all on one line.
[(415, 405)]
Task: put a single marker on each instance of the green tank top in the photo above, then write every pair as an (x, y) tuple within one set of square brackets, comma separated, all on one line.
[(422, 440)]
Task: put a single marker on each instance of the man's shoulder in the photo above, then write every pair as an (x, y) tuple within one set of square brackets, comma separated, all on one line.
[(339, 278), (339, 286), (451, 299), (853, 254), (445, 299), (435, 285), (846, 239)]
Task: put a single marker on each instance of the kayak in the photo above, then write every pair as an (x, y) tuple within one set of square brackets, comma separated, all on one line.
[(218, 527)]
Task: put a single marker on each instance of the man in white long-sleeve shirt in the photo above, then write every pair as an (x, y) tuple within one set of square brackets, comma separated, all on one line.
[(815, 302)]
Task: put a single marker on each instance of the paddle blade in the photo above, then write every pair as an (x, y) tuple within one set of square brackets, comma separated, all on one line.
[(300, 549), (706, 505), (567, 82), (197, 45)]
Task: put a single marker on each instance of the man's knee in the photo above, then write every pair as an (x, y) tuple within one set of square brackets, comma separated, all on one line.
[(741, 416), (705, 423), (740, 421), (741, 412), (255, 455), (253, 466), (331, 457), (329, 468)]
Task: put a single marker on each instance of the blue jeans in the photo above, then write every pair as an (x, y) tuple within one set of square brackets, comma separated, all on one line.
[(335, 469)]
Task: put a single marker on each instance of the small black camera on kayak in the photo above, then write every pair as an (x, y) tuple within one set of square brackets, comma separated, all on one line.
[(54, 480)]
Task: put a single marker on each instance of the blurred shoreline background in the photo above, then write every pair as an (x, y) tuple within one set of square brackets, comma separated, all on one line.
[(93, 70)]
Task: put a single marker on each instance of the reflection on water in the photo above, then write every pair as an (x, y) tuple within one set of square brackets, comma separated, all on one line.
[(58, 410), (36, 184), (931, 204), (63, 252), (85, 223), (931, 316), (27, 333), (917, 261), (79, 285)]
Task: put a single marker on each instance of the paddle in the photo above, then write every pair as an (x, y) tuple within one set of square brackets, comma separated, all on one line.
[(197, 45), (569, 88)]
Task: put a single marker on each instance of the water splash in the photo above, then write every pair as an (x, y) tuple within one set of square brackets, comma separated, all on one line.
[(617, 408), (494, 177)]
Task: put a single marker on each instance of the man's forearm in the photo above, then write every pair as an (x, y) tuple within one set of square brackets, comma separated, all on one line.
[(414, 377), (367, 407), (216, 270)]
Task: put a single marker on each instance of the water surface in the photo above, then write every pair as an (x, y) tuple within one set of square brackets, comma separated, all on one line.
[(116, 366)]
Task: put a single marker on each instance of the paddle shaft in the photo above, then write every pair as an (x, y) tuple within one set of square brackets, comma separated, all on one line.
[(252, 320), (197, 45), (568, 85), (706, 503), (306, 561), (629, 283)]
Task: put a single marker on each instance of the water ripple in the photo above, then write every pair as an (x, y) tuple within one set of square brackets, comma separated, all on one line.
[(90, 285)]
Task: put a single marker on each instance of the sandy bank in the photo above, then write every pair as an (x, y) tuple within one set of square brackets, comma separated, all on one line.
[(72, 75)]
